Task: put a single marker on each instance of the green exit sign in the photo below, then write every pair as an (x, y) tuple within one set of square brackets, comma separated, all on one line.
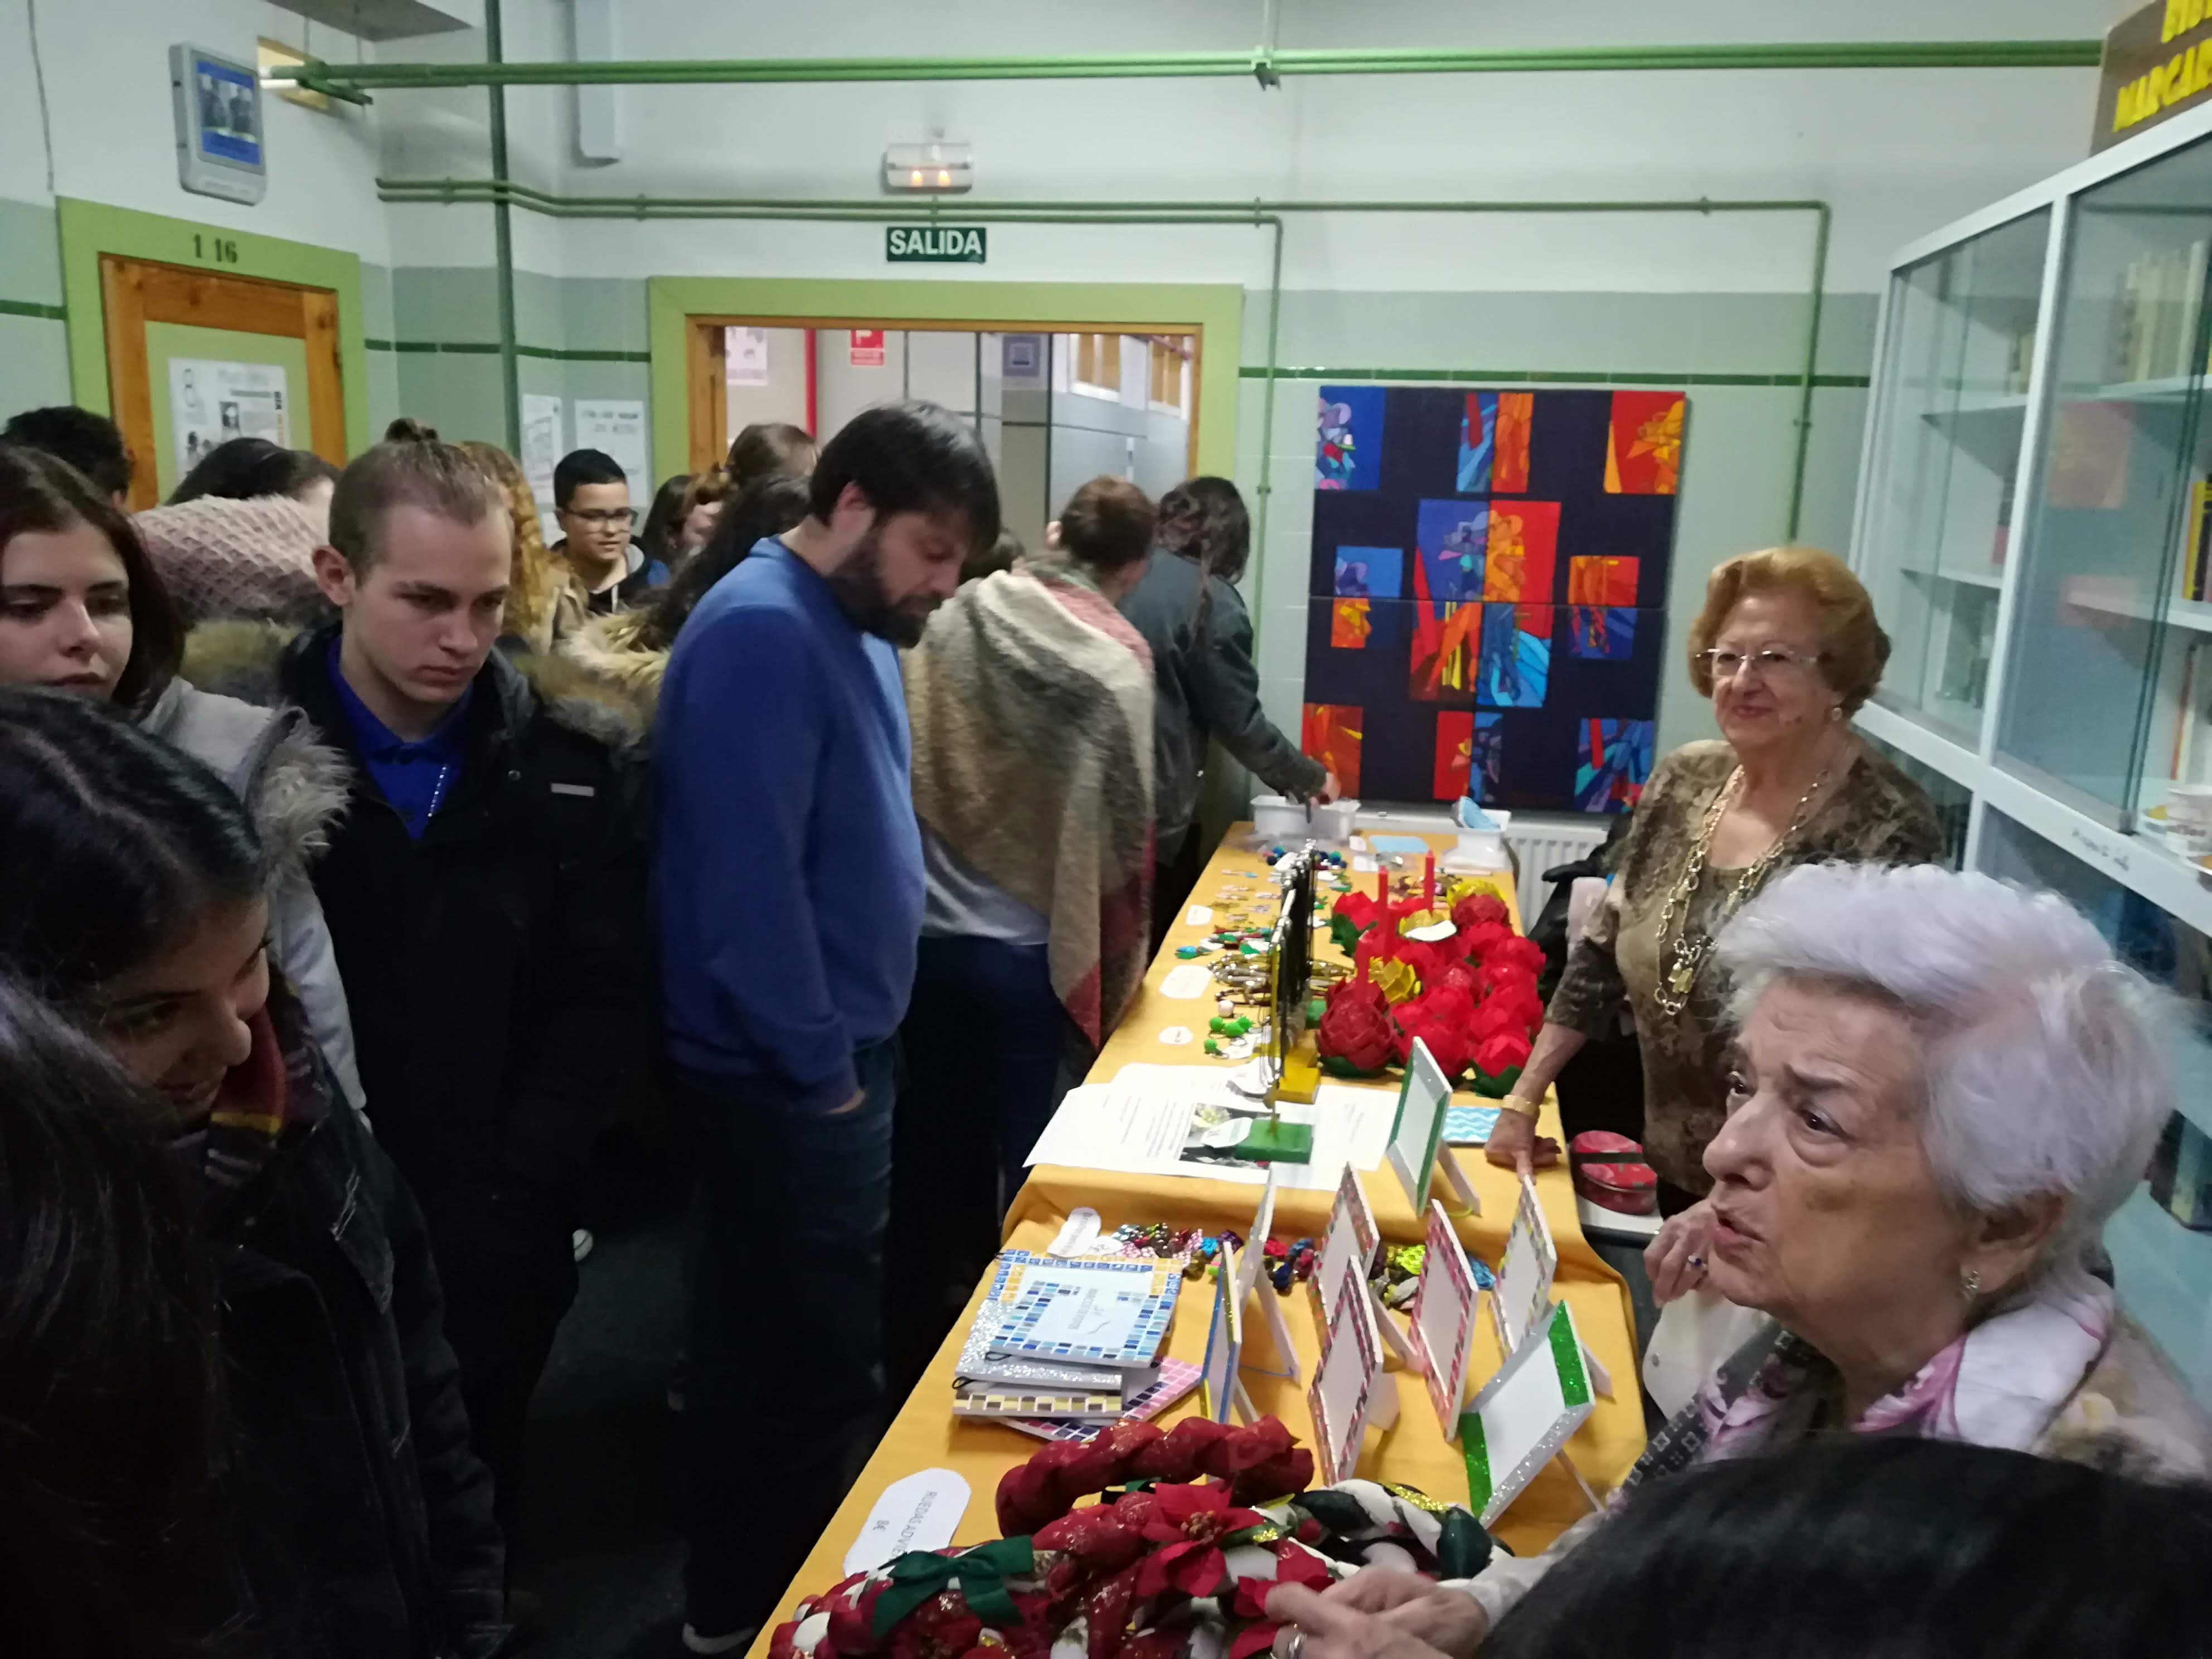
[(933, 244)]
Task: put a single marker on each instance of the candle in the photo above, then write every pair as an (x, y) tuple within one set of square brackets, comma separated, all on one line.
[(1429, 884)]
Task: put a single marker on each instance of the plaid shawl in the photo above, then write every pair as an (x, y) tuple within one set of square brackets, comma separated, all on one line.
[(1030, 701), (273, 1090)]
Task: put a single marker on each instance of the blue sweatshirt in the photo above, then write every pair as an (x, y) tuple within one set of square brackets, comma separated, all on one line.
[(786, 862)]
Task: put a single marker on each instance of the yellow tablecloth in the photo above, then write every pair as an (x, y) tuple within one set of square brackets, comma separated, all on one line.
[(925, 1434)]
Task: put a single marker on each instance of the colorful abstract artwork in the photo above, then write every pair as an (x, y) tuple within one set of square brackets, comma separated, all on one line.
[(1348, 625), (1348, 448), (1614, 764), (1516, 656), (1509, 468), (1644, 450), (1602, 632), (1486, 768), (1524, 539), (1445, 638), (1601, 582), (1451, 541), (1370, 572), (1332, 734), (1488, 565), (1455, 753)]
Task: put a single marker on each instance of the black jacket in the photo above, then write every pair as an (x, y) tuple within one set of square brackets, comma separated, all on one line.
[(365, 1522), (498, 969), (1208, 689)]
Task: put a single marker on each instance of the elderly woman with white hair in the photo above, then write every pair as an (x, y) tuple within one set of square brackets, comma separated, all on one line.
[(1942, 1087)]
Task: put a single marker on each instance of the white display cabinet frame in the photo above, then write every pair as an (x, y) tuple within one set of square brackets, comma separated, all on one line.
[(2163, 1269)]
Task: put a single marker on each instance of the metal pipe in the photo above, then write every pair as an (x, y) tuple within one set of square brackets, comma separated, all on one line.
[(340, 79), (1254, 213), (1265, 488), (1812, 367), (502, 230)]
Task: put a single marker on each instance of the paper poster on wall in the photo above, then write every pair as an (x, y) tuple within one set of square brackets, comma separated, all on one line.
[(541, 447), (211, 402), (867, 347), (616, 427), (745, 352)]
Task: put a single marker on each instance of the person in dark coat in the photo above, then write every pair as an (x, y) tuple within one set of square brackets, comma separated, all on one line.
[(1194, 619), (486, 890), (352, 1520)]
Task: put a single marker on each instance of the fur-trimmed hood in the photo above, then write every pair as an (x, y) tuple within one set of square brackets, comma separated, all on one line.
[(245, 660), (295, 784), (606, 649)]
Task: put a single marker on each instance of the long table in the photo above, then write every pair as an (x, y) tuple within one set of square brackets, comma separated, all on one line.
[(924, 1434)]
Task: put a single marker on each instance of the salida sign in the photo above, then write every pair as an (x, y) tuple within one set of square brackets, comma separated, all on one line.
[(943, 244)]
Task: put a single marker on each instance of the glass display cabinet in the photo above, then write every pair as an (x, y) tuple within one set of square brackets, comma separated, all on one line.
[(2035, 525)]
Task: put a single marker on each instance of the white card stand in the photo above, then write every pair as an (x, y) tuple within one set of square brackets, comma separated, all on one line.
[(1417, 1148), (1252, 1273), (1455, 1176)]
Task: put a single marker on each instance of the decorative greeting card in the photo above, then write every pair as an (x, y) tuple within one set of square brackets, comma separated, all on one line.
[(1523, 1292), (1445, 1299), (1525, 1415), (1345, 1383)]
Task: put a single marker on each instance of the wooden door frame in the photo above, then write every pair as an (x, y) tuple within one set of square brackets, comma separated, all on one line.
[(707, 415), (137, 292), (1212, 314), (90, 229)]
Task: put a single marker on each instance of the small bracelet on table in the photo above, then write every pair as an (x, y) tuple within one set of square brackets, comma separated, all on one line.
[(1521, 1106)]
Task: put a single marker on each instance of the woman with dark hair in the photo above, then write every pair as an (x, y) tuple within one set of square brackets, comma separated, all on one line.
[(1847, 1549), (767, 448), (242, 469), (83, 610), (664, 519), (629, 650), (135, 901), (108, 1482), (1191, 614)]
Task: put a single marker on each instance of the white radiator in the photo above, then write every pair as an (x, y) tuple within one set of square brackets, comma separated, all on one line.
[(1541, 839)]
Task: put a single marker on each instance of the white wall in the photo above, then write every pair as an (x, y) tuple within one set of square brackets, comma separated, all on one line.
[(106, 65)]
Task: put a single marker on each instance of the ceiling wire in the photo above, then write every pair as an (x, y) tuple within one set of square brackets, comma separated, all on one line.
[(39, 74)]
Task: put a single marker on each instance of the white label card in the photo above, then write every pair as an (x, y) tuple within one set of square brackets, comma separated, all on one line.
[(919, 1512)]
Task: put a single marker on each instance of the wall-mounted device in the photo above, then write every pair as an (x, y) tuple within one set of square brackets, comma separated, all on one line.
[(217, 100), (939, 167)]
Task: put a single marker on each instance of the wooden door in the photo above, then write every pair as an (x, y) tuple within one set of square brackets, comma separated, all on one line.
[(137, 292)]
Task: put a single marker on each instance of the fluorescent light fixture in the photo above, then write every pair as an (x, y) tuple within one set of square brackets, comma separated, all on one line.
[(937, 169)]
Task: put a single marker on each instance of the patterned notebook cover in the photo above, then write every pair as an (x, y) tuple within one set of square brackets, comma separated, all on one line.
[(1100, 1408), (976, 1365), (1177, 1379), (1088, 1312)]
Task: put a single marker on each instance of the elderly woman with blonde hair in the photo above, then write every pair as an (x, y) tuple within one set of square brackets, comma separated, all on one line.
[(1788, 649), (1941, 1088)]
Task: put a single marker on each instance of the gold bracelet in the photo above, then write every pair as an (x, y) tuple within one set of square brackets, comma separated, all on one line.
[(1521, 1106)]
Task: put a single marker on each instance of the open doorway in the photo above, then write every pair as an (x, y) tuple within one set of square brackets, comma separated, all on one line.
[(1053, 409)]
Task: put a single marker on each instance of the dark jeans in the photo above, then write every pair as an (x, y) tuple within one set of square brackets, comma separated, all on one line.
[(1178, 863), (989, 1052), (508, 1265), (786, 1397)]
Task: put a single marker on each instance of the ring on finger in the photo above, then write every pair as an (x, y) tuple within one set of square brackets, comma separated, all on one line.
[(1293, 1647)]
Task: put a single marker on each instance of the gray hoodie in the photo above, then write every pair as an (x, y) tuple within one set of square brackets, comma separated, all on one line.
[(294, 786)]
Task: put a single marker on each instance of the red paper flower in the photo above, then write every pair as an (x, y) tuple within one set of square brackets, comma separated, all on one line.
[(1357, 908), (1480, 910), (1480, 940), (1498, 1054), (1190, 1522), (1355, 1026)]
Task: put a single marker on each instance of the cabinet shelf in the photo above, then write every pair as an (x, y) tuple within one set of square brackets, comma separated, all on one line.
[(2178, 613), (1990, 578)]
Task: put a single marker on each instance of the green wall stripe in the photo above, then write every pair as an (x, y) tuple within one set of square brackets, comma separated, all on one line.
[(479, 349), (32, 308), (1569, 377)]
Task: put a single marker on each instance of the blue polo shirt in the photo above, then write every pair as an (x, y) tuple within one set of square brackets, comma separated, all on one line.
[(415, 779)]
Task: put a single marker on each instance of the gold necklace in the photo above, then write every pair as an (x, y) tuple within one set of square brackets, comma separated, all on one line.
[(1684, 958)]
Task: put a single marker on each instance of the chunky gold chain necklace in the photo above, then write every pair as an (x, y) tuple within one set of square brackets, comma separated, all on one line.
[(1684, 957)]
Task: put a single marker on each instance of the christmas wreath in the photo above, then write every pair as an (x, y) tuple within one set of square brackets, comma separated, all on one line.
[(1162, 1568)]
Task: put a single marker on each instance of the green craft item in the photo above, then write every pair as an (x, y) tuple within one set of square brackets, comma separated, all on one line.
[(1494, 1088), (1240, 1025), (1337, 1065), (1344, 933), (1277, 1142), (1315, 1009), (1186, 951), (1212, 1047), (981, 1575)]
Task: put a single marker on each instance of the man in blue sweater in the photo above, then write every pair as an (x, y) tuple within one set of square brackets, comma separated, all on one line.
[(788, 883)]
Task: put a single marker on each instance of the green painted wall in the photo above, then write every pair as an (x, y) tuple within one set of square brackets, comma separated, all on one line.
[(33, 340), (167, 340)]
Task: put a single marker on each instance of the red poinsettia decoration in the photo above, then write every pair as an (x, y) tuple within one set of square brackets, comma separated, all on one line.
[(1355, 1034), (1480, 910), (1191, 1521), (1293, 1565), (1497, 1056), (1443, 1018)]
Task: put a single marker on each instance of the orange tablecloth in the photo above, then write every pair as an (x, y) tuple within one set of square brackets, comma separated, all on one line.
[(925, 1434)]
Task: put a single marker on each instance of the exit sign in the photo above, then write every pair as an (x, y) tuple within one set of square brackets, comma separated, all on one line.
[(933, 244)]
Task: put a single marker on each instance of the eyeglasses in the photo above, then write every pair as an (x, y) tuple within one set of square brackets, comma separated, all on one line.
[(620, 518), (1772, 663)]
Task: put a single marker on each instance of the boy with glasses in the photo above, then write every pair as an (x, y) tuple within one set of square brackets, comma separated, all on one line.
[(591, 498)]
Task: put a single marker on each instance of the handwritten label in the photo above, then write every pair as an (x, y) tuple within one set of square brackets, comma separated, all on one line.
[(920, 1512), (2098, 848)]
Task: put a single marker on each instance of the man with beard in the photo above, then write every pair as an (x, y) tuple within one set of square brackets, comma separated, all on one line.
[(788, 877)]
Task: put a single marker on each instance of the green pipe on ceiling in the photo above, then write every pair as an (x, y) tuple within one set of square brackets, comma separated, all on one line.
[(342, 79), (510, 356)]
